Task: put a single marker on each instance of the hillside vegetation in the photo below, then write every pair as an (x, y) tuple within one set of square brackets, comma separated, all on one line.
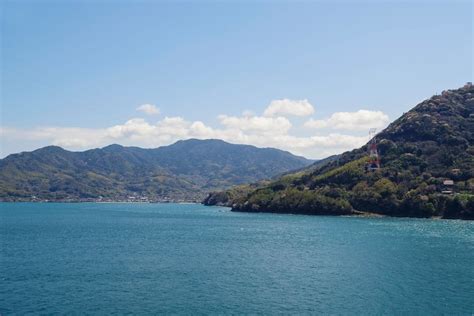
[(184, 171), (431, 143)]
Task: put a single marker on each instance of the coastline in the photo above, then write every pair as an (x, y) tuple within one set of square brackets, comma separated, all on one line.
[(355, 213), (104, 202), (358, 214)]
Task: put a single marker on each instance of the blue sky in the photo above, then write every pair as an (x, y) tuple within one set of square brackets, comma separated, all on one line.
[(75, 72)]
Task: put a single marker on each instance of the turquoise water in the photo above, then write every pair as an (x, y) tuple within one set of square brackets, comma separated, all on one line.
[(192, 259)]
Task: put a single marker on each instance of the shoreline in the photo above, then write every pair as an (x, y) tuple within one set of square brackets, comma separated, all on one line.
[(359, 214), (107, 202), (355, 214)]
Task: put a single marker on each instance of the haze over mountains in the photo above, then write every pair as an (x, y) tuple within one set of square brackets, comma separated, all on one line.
[(427, 169), (184, 171)]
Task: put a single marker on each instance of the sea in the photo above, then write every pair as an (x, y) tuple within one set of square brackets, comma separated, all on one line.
[(131, 258)]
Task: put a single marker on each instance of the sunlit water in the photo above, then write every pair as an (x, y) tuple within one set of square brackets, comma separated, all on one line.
[(192, 259)]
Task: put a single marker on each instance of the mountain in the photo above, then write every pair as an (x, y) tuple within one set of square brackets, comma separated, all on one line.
[(427, 170), (229, 196), (186, 170)]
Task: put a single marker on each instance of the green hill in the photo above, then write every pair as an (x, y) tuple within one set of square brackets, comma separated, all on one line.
[(431, 143), (186, 170)]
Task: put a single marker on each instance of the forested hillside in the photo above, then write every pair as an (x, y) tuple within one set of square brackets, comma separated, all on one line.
[(184, 171), (421, 153)]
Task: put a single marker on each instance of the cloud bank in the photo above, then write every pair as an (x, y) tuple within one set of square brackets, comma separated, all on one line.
[(271, 129)]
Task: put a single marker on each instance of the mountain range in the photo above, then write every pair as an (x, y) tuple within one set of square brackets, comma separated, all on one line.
[(184, 171), (426, 170)]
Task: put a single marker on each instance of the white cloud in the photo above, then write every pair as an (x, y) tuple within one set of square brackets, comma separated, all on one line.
[(312, 123), (248, 113), (240, 130), (289, 107), (200, 130), (68, 137), (136, 126), (262, 131), (277, 125), (354, 121), (149, 109)]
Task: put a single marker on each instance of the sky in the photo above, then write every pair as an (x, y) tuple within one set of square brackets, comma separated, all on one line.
[(310, 77)]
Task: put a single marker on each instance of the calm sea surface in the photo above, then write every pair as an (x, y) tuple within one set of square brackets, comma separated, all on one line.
[(192, 259)]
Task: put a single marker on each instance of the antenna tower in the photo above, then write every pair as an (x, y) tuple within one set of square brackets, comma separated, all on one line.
[(374, 158)]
